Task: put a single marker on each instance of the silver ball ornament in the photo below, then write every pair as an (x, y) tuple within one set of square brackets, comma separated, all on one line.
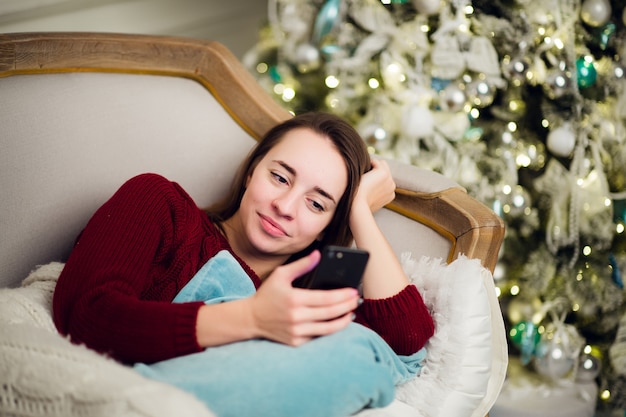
[(516, 202), (480, 93), (452, 98), (376, 135), (427, 7), (588, 367), (557, 352), (595, 13), (558, 83), (307, 58), (517, 69)]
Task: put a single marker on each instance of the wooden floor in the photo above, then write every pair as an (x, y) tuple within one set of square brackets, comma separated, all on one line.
[(235, 23)]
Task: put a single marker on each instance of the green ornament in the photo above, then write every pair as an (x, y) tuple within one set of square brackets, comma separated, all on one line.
[(587, 73), (525, 335), (275, 74), (602, 36)]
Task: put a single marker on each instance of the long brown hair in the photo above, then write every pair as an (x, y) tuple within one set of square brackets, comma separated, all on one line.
[(345, 139)]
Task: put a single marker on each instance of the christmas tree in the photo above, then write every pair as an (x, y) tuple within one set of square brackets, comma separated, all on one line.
[(521, 102)]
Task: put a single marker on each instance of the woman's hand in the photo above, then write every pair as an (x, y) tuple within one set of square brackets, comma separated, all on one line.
[(294, 316), (377, 186), (383, 277)]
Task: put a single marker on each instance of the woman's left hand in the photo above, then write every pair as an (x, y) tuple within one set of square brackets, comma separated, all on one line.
[(377, 187)]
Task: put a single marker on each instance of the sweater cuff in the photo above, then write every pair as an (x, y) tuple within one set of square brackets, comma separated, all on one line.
[(185, 334), (402, 320)]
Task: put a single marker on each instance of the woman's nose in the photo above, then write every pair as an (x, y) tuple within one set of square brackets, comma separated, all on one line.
[(285, 204)]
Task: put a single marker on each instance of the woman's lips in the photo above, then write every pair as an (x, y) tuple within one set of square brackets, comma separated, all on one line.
[(271, 227)]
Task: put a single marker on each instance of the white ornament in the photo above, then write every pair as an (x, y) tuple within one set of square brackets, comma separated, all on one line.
[(452, 98), (427, 7), (595, 13), (417, 122), (558, 351), (561, 141)]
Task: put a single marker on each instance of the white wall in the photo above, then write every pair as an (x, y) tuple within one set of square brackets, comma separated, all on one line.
[(236, 23)]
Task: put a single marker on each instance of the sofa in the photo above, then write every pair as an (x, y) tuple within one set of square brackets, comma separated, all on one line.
[(82, 112)]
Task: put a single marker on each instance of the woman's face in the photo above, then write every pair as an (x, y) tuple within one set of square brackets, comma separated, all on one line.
[(292, 193)]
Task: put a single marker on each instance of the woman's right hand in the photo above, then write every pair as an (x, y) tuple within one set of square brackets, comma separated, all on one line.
[(294, 316)]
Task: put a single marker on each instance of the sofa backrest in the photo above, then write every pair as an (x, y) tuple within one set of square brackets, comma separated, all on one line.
[(70, 140), (82, 113)]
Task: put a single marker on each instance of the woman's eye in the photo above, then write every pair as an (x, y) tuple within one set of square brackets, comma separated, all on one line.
[(279, 178), (317, 206)]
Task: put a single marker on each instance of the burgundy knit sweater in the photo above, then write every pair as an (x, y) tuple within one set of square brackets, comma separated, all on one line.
[(140, 249)]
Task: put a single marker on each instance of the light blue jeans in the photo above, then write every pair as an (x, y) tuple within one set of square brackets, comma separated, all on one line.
[(331, 376)]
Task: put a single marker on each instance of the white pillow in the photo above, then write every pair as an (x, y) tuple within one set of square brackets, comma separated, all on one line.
[(466, 360)]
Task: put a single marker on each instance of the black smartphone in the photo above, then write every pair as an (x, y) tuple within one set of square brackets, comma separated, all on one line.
[(339, 267)]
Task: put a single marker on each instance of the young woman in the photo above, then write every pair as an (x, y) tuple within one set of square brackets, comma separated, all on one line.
[(204, 299)]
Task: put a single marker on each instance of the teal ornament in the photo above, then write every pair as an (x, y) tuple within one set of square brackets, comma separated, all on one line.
[(329, 51), (326, 20), (473, 134), (619, 210), (497, 207), (274, 74), (586, 72), (525, 335), (616, 275), (602, 36), (439, 84)]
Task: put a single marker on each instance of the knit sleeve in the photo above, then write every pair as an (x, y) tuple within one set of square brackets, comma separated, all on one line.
[(105, 296), (403, 320)]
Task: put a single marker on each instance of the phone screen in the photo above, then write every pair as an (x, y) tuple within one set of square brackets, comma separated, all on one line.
[(339, 267)]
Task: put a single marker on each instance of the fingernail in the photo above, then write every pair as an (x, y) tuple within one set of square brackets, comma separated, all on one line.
[(353, 316), (360, 301)]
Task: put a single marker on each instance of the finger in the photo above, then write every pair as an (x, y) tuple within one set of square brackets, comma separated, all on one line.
[(323, 328), (323, 298), (329, 312), (300, 267)]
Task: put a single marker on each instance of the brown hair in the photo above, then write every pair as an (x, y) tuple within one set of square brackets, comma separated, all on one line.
[(349, 144)]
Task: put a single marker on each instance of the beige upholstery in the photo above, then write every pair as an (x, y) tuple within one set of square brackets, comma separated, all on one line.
[(81, 113)]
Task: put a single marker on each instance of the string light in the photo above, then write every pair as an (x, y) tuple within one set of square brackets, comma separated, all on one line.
[(331, 81)]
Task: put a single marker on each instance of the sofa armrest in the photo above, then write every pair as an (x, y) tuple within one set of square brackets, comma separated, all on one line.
[(441, 204)]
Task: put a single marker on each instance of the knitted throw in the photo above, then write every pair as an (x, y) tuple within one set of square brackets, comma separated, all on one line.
[(43, 374)]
